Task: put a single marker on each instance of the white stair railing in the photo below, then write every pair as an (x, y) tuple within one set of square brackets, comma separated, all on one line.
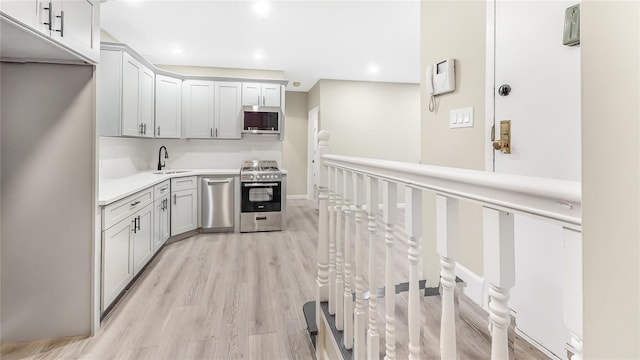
[(349, 197)]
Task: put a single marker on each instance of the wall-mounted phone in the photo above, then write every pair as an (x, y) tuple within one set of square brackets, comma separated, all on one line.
[(440, 79)]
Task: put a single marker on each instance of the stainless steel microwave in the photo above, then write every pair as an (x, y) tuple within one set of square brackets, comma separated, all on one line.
[(261, 120)]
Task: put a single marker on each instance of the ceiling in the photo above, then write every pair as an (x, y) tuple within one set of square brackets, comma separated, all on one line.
[(306, 40)]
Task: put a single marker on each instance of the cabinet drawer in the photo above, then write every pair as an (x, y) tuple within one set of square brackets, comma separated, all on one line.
[(184, 183), (121, 209), (161, 190)]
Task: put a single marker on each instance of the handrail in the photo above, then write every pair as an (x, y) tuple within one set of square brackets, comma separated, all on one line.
[(559, 201)]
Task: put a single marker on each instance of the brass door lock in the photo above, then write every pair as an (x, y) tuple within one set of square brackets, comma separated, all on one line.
[(504, 143)]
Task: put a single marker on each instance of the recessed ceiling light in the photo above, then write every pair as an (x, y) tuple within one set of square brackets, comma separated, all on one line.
[(177, 51), (258, 55), (262, 8), (374, 69), (296, 83)]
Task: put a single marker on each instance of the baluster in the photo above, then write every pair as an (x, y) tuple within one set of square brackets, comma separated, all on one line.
[(572, 289), (339, 299), (413, 226), (499, 270), (332, 241), (446, 237), (373, 338), (322, 287), (389, 211), (360, 318), (347, 298)]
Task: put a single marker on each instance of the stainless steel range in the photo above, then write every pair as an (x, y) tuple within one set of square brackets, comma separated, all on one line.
[(261, 196)]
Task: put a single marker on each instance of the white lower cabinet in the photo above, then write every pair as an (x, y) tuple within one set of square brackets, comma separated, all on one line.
[(184, 204), (142, 238), (127, 242), (117, 263), (162, 221)]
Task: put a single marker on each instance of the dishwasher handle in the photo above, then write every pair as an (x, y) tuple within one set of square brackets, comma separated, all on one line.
[(210, 182)]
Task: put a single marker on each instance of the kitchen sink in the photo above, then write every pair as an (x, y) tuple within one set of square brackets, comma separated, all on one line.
[(169, 172)]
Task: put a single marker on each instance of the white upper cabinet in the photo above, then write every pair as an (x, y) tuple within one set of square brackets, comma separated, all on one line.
[(168, 107), (197, 109), (228, 110), (260, 94), (126, 93), (72, 25)]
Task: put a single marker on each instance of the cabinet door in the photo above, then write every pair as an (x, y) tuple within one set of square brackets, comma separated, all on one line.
[(228, 110), (117, 264), (147, 105), (184, 211), (109, 92), (271, 95), (73, 26), (168, 107), (197, 108), (143, 238), (131, 72), (161, 222), (251, 93), (31, 13)]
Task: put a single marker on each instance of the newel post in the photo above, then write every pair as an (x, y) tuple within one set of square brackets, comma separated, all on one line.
[(322, 282)]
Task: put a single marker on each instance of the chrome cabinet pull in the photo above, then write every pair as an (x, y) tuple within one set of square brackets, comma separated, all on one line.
[(138, 222), (135, 222), (158, 130), (175, 199), (136, 203), (211, 132), (61, 17), (49, 22)]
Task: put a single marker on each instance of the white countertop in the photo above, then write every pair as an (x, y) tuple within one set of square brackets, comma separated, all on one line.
[(111, 190)]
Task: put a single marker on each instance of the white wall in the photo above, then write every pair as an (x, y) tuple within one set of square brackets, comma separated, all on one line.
[(126, 156), (611, 178), (371, 119), (48, 200)]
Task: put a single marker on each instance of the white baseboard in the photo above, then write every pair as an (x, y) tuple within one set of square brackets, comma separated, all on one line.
[(536, 344), (475, 289), (297, 197)]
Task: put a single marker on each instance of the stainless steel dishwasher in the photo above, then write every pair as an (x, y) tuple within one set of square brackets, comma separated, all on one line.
[(217, 204)]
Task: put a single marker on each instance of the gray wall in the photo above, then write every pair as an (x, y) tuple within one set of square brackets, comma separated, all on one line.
[(294, 150), (48, 200)]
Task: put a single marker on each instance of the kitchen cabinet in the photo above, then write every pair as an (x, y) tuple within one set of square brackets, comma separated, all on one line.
[(228, 110), (142, 238), (162, 215), (126, 242), (184, 204), (137, 98), (197, 106), (71, 24), (261, 94), (126, 92), (168, 107)]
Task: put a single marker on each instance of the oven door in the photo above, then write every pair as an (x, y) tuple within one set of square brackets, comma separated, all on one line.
[(261, 197)]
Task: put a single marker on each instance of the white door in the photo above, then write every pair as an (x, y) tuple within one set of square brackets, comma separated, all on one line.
[(197, 107), (544, 109), (168, 107), (228, 110), (312, 153)]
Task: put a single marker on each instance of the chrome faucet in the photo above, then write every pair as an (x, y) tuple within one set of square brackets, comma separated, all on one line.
[(166, 156)]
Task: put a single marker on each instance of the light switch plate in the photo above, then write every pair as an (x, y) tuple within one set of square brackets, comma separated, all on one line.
[(460, 118)]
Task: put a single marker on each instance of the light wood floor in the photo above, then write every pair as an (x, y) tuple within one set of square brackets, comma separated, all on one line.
[(240, 296)]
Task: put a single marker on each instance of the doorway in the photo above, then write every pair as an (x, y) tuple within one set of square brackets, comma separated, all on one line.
[(312, 154), (525, 51)]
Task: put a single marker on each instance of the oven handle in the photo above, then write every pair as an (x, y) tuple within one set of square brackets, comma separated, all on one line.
[(260, 184)]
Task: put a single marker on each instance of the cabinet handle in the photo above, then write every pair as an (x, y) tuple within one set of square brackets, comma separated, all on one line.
[(135, 203), (175, 199), (144, 129), (263, 100), (49, 17), (61, 17), (135, 222), (216, 132), (211, 132), (138, 222), (158, 130), (140, 126)]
